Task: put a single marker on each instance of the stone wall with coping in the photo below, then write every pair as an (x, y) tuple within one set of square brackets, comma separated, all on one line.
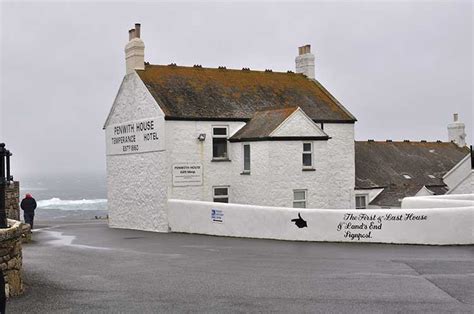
[(12, 200), (11, 258)]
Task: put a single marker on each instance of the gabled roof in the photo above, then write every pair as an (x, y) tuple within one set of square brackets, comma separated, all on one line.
[(403, 168), (196, 93), (264, 123)]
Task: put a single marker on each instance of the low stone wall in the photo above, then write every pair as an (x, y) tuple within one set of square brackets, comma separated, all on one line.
[(12, 200), (11, 258), (449, 225)]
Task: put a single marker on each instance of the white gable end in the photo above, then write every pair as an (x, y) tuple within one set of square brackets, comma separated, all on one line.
[(298, 124), (133, 102)]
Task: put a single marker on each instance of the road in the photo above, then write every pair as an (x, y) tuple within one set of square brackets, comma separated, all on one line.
[(86, 267)]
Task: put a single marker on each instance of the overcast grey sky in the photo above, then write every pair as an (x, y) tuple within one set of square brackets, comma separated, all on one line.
[(402, 68)]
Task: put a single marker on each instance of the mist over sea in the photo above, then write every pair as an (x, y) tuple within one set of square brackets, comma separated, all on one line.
[(66, 196)]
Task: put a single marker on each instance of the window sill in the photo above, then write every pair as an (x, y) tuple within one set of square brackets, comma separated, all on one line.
[(245, 173), (309, 169), (220, 159)]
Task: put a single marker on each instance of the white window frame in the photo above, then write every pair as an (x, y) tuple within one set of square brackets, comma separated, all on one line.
[(304, 201), (226, 136), (246, 171), (214, 196), (366, 198), (311, 153)]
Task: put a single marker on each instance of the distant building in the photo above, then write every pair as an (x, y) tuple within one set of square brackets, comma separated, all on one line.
[(388, 171), (222, 135)]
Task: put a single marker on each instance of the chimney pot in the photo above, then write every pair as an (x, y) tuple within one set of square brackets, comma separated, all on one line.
[(456, 116), (305, 61), (134, 51), (137, 30)]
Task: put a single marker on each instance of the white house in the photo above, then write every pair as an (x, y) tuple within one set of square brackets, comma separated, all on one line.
[(222, 135)]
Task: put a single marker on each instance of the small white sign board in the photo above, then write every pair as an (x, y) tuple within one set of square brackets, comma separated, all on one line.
[(187, 174), (217, 215), (134, 137)]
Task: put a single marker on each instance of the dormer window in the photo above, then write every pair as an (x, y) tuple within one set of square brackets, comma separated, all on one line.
[(219, 142), (406, 176)]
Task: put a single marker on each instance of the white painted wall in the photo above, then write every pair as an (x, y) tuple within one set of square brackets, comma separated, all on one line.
[(298, 124), (276, 167), (466, 186), (424, 192), (460, 178), (137, 183), (439, 201), (452, 225)]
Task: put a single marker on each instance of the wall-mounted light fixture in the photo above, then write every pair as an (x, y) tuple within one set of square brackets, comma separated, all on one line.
[(202, 137)]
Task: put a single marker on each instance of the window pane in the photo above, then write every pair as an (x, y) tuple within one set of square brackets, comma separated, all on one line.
[(220, 191), (247, 157), (307, 160), (299, 195), (219, 147), (221, 200), (307, 147), (299, 204), (220, 131), (360, 202)]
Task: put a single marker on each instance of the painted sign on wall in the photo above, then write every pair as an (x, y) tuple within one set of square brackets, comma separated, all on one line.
[(187, 174), (365, 226), (135, 137)]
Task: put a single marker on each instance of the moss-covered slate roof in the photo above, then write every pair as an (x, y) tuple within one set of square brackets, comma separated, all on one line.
[(383, 164), (210, 94)]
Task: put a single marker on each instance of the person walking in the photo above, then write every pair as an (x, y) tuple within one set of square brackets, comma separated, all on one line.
[(28, 204)]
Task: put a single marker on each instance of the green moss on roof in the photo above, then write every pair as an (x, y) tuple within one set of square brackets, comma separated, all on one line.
[(199, 93)]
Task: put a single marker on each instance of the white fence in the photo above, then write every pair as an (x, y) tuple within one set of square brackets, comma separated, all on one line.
[(441, 224)]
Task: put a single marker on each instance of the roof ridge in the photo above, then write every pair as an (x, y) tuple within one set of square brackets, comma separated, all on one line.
[(221, 68)]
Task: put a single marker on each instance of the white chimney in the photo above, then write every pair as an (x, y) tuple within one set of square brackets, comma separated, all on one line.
[(305, 61), (456, 132), (135, 51)]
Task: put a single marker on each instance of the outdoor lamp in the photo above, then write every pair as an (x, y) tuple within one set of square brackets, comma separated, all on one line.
[(202, 137)]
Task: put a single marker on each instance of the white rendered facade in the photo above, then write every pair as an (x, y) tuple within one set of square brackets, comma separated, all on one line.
[(139, 184)]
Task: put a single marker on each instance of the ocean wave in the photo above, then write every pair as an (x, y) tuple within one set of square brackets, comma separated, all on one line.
[(84, 204)]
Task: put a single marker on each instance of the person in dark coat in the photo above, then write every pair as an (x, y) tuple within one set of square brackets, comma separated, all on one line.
[(28, 204)]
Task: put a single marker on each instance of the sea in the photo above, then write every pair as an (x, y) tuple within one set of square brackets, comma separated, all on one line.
[(72, 196)]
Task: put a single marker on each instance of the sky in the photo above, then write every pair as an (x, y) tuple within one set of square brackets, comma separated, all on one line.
[(401, 67)]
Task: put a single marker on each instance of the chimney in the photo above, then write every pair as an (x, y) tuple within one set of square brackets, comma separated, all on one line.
[(456, 131), (134, 51), (305, 61)]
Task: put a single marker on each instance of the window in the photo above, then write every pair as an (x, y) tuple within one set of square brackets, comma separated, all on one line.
[(361, 201), (406, 176), (219, 142), (299, 198), (221, 194), (307, 155), (246, 158), (431, 176)]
